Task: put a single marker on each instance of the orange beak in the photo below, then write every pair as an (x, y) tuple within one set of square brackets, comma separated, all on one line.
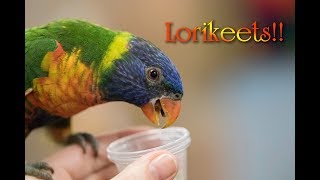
[(168, 108)]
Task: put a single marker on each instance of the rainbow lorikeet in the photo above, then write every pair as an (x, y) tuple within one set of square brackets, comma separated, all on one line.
[(71, 65)]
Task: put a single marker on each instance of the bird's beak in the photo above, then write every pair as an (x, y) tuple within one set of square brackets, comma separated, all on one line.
[(168, 108)]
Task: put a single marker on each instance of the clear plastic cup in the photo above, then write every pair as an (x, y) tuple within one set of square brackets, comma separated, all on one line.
[(173, 139)]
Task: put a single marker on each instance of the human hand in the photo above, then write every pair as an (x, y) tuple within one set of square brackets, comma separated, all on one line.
[(71, 163)]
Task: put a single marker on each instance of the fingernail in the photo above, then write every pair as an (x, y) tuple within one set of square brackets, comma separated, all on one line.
[(163, 167)]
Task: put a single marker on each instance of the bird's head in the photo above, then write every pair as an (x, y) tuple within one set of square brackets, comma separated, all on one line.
[(139, 73)]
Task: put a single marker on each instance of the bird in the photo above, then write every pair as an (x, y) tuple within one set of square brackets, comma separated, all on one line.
[(74, 64)]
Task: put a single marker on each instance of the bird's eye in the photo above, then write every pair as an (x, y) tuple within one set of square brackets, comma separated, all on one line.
[(153, 74)]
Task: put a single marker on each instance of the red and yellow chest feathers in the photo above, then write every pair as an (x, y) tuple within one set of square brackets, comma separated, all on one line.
[(69, 87)]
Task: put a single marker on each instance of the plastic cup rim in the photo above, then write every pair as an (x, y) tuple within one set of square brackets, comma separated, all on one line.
[(175, 146)]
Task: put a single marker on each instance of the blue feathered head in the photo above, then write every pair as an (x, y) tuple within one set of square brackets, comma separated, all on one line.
[(145, 77)]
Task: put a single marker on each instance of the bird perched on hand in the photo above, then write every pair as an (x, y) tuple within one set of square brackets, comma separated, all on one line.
[(71, 65)]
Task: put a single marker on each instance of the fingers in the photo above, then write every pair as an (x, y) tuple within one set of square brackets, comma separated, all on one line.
[(30, 178), (104, 173), (105, 139), (159, 165), (72, 161)]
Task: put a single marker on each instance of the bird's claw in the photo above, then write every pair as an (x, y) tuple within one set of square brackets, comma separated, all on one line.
[(81, 139), (40, 170)]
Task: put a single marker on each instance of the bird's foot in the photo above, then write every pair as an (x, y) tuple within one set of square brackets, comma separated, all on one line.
[(81, 139), (40, 170)]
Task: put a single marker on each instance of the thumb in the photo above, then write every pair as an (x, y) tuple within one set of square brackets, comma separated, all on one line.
[(159, 165)]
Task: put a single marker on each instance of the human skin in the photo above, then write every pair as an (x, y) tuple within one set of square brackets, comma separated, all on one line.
[(71, 163)]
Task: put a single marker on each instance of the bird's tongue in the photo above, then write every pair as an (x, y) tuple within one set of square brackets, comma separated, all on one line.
[(168, 108)]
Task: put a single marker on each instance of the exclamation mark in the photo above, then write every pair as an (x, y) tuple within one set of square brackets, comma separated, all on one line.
[(281, 25), (274, 31)]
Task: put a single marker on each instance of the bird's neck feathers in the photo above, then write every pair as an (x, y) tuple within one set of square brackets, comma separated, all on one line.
[(115, 51), (120, 75)]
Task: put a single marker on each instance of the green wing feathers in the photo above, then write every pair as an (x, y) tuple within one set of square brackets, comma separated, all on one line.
[(92, 39), (64, 60), (34, 53)]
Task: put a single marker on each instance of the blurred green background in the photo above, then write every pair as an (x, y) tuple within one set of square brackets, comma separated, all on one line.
[(238, 99)]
